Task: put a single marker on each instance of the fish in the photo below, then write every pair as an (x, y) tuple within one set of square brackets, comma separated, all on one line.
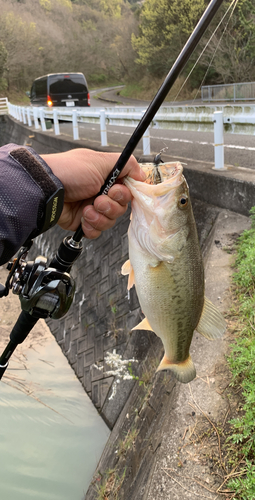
[(166, 267)]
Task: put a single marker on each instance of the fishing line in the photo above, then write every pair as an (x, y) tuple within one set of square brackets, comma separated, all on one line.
[(233, 3), (217, 46)]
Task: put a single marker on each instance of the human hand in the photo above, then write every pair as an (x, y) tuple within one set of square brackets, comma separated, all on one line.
[(83, 173)]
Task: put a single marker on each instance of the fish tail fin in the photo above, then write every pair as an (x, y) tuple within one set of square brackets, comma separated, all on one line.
[(184, 371)]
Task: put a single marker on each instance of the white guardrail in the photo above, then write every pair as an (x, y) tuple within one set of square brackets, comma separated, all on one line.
[(3, 105), (239, 119)]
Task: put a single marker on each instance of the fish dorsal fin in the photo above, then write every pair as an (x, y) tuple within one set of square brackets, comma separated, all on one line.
[(144, 325), (128, 270), (212, 325)]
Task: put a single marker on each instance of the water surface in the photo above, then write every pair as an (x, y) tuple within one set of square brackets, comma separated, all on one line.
[(51, 436)]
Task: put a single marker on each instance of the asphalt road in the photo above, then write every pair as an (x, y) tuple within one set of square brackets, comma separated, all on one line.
[(239, 150)]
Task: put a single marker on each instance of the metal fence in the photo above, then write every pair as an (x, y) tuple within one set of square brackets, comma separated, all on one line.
[(229, 92)]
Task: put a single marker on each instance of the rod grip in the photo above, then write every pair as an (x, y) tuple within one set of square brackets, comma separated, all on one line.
[(2, 369), (22, 327)]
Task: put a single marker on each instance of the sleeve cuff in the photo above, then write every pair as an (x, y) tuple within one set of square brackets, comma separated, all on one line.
[(52, 199)]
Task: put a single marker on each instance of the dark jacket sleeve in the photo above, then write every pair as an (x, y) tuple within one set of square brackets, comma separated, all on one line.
[(31, 198)]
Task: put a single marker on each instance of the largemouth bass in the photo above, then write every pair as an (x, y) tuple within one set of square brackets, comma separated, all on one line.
[(165, 265)]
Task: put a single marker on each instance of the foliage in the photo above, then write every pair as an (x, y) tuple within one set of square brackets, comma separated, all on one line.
[(111, 485), (163, 30), (3, 59), (242, 363), (122, 41), (234, 43), (165, 25), (43, 36), (111, 8)]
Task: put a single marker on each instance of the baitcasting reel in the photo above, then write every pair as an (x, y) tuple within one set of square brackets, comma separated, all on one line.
[(43, 292)]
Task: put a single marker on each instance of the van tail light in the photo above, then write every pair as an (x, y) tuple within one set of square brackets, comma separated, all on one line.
[(49, 101), (88, 99)]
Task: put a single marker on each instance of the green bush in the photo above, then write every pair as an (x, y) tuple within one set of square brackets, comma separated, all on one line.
[(242, 364)]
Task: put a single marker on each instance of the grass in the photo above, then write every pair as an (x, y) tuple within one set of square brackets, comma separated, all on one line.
[(128, 442), (148, 87), (16, 97), (111, 485), (242, 364)]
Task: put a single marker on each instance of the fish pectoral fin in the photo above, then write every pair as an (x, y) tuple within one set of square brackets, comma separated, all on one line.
[(184, 371), (212, 324), (144, 325), (127, 269)]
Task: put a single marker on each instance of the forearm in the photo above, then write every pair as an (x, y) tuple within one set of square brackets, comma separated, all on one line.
[(31, 198)]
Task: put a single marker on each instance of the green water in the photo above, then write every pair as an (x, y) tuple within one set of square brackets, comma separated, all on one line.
[(51, 437)]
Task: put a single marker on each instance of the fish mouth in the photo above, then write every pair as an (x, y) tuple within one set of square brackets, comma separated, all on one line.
[(156, 174), (160, 179)]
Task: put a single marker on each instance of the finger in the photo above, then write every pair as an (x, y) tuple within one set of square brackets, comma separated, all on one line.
[(92, 227), (120, 194), (89, 231), (102, 215), (133, 169), (106, 162)]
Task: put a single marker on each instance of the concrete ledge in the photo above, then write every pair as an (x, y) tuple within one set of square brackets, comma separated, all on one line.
[(232, 189)]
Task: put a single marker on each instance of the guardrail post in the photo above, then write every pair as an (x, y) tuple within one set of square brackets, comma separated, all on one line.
[(24, 115), (36, 118), (56, 123), (19, 114), (103, 128), (29, 118), (43, 125), (75, 126), (146, 142), (218, 140)]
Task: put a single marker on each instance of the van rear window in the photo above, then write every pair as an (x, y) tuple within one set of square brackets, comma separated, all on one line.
[(39, 88), (67, 85)]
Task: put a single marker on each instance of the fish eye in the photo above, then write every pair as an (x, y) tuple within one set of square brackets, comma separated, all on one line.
[(183, 201)]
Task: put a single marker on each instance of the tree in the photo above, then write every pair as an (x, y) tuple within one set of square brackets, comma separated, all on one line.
[(164, 28), (231, 53), (21, 44), (111, 8)]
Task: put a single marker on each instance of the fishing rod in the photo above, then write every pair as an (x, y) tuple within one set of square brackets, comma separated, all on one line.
[(47, 291)]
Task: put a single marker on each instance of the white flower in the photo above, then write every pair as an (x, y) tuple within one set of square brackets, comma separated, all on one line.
[(119, 369)]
